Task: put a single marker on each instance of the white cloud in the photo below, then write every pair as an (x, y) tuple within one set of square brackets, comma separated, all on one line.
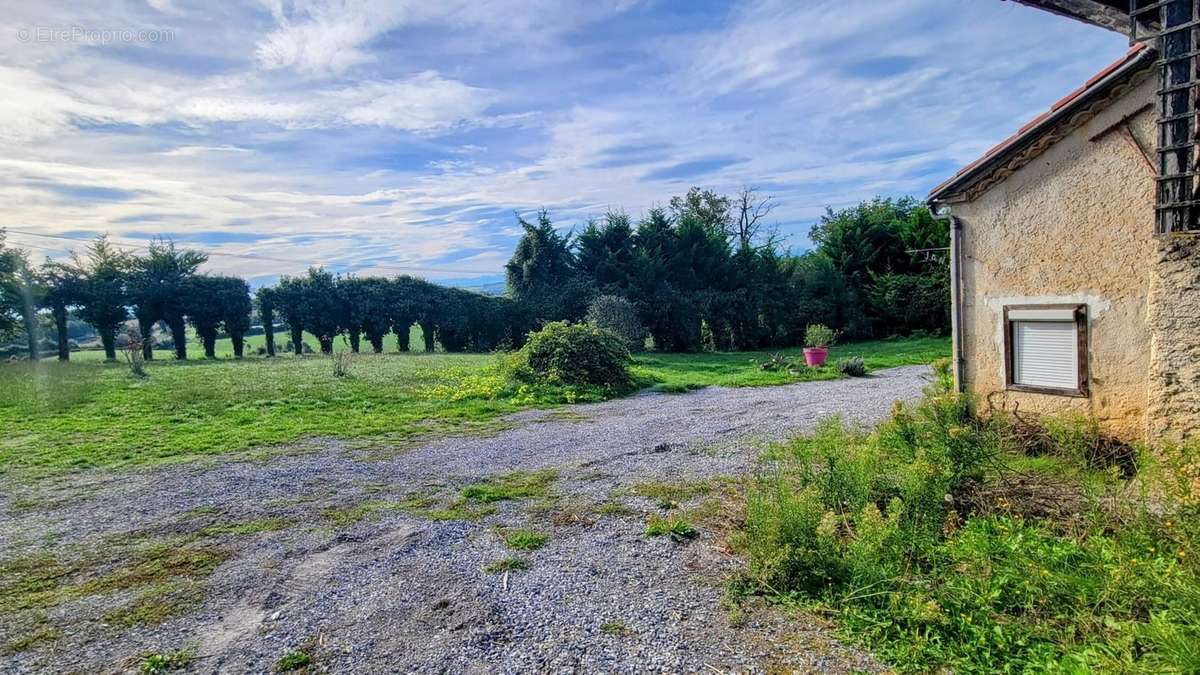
[(321, 38), (423, 103), (326, 37), (426, 102), (40, 110), (164, 6), (193, 150), (284, 123)]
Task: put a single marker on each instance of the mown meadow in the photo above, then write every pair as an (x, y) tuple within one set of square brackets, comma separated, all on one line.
[(61, 417)]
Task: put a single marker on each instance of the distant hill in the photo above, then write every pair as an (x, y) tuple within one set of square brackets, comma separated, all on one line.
[(494, 288)]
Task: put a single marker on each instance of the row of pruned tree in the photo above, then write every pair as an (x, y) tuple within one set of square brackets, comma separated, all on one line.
[(106, 286), (371, 307)]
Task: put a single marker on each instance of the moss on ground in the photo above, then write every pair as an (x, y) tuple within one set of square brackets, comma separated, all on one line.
[(515, 485), (157, 604), (510, 564), (164, 576), (521, 539), (30, 634)]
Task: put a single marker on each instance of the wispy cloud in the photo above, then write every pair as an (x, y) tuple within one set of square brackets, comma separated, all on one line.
[(378, 135), (326, 38)]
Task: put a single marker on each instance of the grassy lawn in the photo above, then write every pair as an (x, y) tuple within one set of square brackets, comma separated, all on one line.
[(60, 417), (681, 372)]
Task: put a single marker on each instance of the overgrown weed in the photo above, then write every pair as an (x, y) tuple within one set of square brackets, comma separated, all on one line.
[(896, 532)]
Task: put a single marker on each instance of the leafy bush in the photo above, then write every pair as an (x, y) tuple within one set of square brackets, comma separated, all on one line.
[(943, 374), (620, 317), (872, 525), (819, 335), (852, 367), (568, 354)]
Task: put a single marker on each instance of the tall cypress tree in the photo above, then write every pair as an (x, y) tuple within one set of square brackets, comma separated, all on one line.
[(651, 290), (605, 254), (541, 273)]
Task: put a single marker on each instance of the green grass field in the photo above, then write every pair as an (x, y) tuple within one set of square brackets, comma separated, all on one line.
[(681, 372), (60, 417)]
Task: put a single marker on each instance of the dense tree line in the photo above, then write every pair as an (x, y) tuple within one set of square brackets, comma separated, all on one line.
[(705, 272)]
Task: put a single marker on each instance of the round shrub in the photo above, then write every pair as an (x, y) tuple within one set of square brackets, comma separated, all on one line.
[(618, 315), (569, 354)]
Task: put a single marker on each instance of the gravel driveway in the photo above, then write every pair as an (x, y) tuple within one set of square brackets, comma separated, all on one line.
[(369, 560)]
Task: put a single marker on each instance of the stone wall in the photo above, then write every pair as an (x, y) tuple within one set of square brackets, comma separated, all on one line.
[(1174, 317), (1075, 225)]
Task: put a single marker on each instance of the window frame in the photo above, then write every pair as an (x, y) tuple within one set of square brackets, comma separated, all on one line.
[(1082, 389)]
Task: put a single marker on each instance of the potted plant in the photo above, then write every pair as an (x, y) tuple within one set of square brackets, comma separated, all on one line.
[(817, 340)]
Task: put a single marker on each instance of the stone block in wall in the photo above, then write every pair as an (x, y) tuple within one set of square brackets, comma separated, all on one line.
[(1174, 322)]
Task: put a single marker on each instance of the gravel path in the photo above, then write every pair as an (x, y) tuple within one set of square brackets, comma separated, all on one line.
[(354, 567)]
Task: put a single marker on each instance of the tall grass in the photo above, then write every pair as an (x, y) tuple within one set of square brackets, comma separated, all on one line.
[(878, 527)]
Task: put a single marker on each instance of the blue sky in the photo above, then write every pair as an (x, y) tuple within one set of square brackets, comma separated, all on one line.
[(384, 136)]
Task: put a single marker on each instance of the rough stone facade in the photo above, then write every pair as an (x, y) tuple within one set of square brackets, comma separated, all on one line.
[(1076, 225), (1174, 317)]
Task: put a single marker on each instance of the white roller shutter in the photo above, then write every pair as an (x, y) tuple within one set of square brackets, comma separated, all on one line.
[(1046, 354)]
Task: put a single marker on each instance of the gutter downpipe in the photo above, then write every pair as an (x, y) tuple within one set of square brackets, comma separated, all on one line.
[(942, 212)]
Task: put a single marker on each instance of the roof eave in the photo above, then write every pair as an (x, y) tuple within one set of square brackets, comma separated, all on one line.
[(1109, 15), (953, 189)]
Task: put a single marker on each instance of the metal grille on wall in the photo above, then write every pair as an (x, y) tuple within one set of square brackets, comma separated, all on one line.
[(1175, 26)]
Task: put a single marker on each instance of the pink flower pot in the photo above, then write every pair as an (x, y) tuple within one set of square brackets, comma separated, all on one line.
[(815, 356)]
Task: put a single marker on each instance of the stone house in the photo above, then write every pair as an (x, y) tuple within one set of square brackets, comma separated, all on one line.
[(1075, 247)]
